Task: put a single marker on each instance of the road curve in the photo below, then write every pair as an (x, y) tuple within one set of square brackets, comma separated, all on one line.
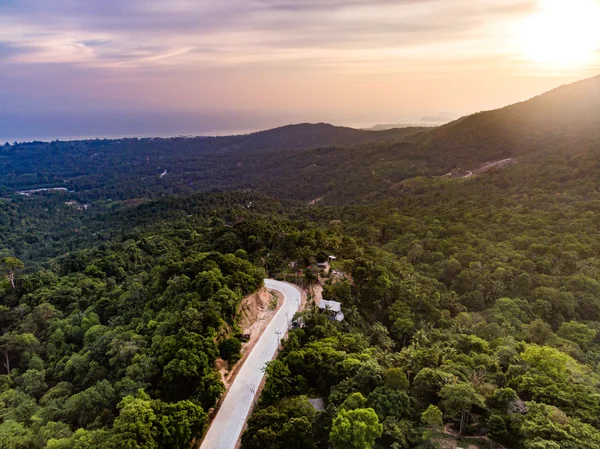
[(227, 426)]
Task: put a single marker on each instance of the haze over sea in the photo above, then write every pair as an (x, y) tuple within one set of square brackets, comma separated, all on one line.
[(100, 124)]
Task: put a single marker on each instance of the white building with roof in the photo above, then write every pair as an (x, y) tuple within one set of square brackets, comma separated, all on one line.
[(333, 308)]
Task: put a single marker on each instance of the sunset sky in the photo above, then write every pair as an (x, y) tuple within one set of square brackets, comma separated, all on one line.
[(72, 68)]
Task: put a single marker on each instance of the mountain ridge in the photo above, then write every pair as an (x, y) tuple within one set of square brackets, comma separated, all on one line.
[(569, 114)]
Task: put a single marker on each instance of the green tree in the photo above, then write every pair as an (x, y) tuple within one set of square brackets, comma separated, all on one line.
[(178, 423), (10, 266), (458, 400), (355, 429), (14, 345), (546, 426), (135, 428), (429, 382), (402, 317), (502, 399), (229, 350), (85, 407), (18, 406), (577, 333), (297, 434), (433, 418), (390, 403), (52, 430), (33, 382), (538, 332), (191, 356), (209, 390), (380, 337), (353, 402), (539, 443), (497, 430), (395, 379), (279, 382), (15, 435), (85, 439), (548, 361)]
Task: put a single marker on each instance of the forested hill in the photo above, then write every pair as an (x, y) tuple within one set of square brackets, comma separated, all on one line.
[(566, 118), (307, 136), (155, 166)]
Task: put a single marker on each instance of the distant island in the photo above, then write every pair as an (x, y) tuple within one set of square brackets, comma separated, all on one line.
[(428, 121), (385, 127)]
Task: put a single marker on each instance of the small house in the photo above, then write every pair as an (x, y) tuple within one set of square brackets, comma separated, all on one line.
[(332, 308)]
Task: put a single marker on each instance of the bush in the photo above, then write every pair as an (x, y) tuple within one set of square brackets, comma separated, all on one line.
[(229, 350)]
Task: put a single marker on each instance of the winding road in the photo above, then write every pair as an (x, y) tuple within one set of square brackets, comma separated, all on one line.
[(227, 426)]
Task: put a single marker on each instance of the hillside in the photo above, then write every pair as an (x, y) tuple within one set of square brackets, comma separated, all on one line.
[(131, 168), (565, 118), (310, 136)]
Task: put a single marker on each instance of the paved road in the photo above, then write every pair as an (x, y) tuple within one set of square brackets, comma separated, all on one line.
[(229, 422)]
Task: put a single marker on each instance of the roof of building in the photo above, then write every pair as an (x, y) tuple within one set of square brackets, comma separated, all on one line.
[(330, 305), (317, 403)]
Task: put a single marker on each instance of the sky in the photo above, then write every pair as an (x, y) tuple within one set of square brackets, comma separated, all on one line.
[(107, 68)]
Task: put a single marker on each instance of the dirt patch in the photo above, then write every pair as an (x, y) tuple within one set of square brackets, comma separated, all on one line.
[(220, 364), (446, 443), (222, 367), (258, 315), (317, 293), (449, 430), (489, 166), (253, 309), (495, 165)]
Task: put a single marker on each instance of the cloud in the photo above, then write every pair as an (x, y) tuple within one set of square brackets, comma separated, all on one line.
[(183, 32)]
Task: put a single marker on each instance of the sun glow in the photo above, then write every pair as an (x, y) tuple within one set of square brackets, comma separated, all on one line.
[(563, 33)]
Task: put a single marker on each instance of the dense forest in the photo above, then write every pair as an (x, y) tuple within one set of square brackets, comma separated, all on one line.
[(478, 306), (471, 301), (148, 168), (115, 346)]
